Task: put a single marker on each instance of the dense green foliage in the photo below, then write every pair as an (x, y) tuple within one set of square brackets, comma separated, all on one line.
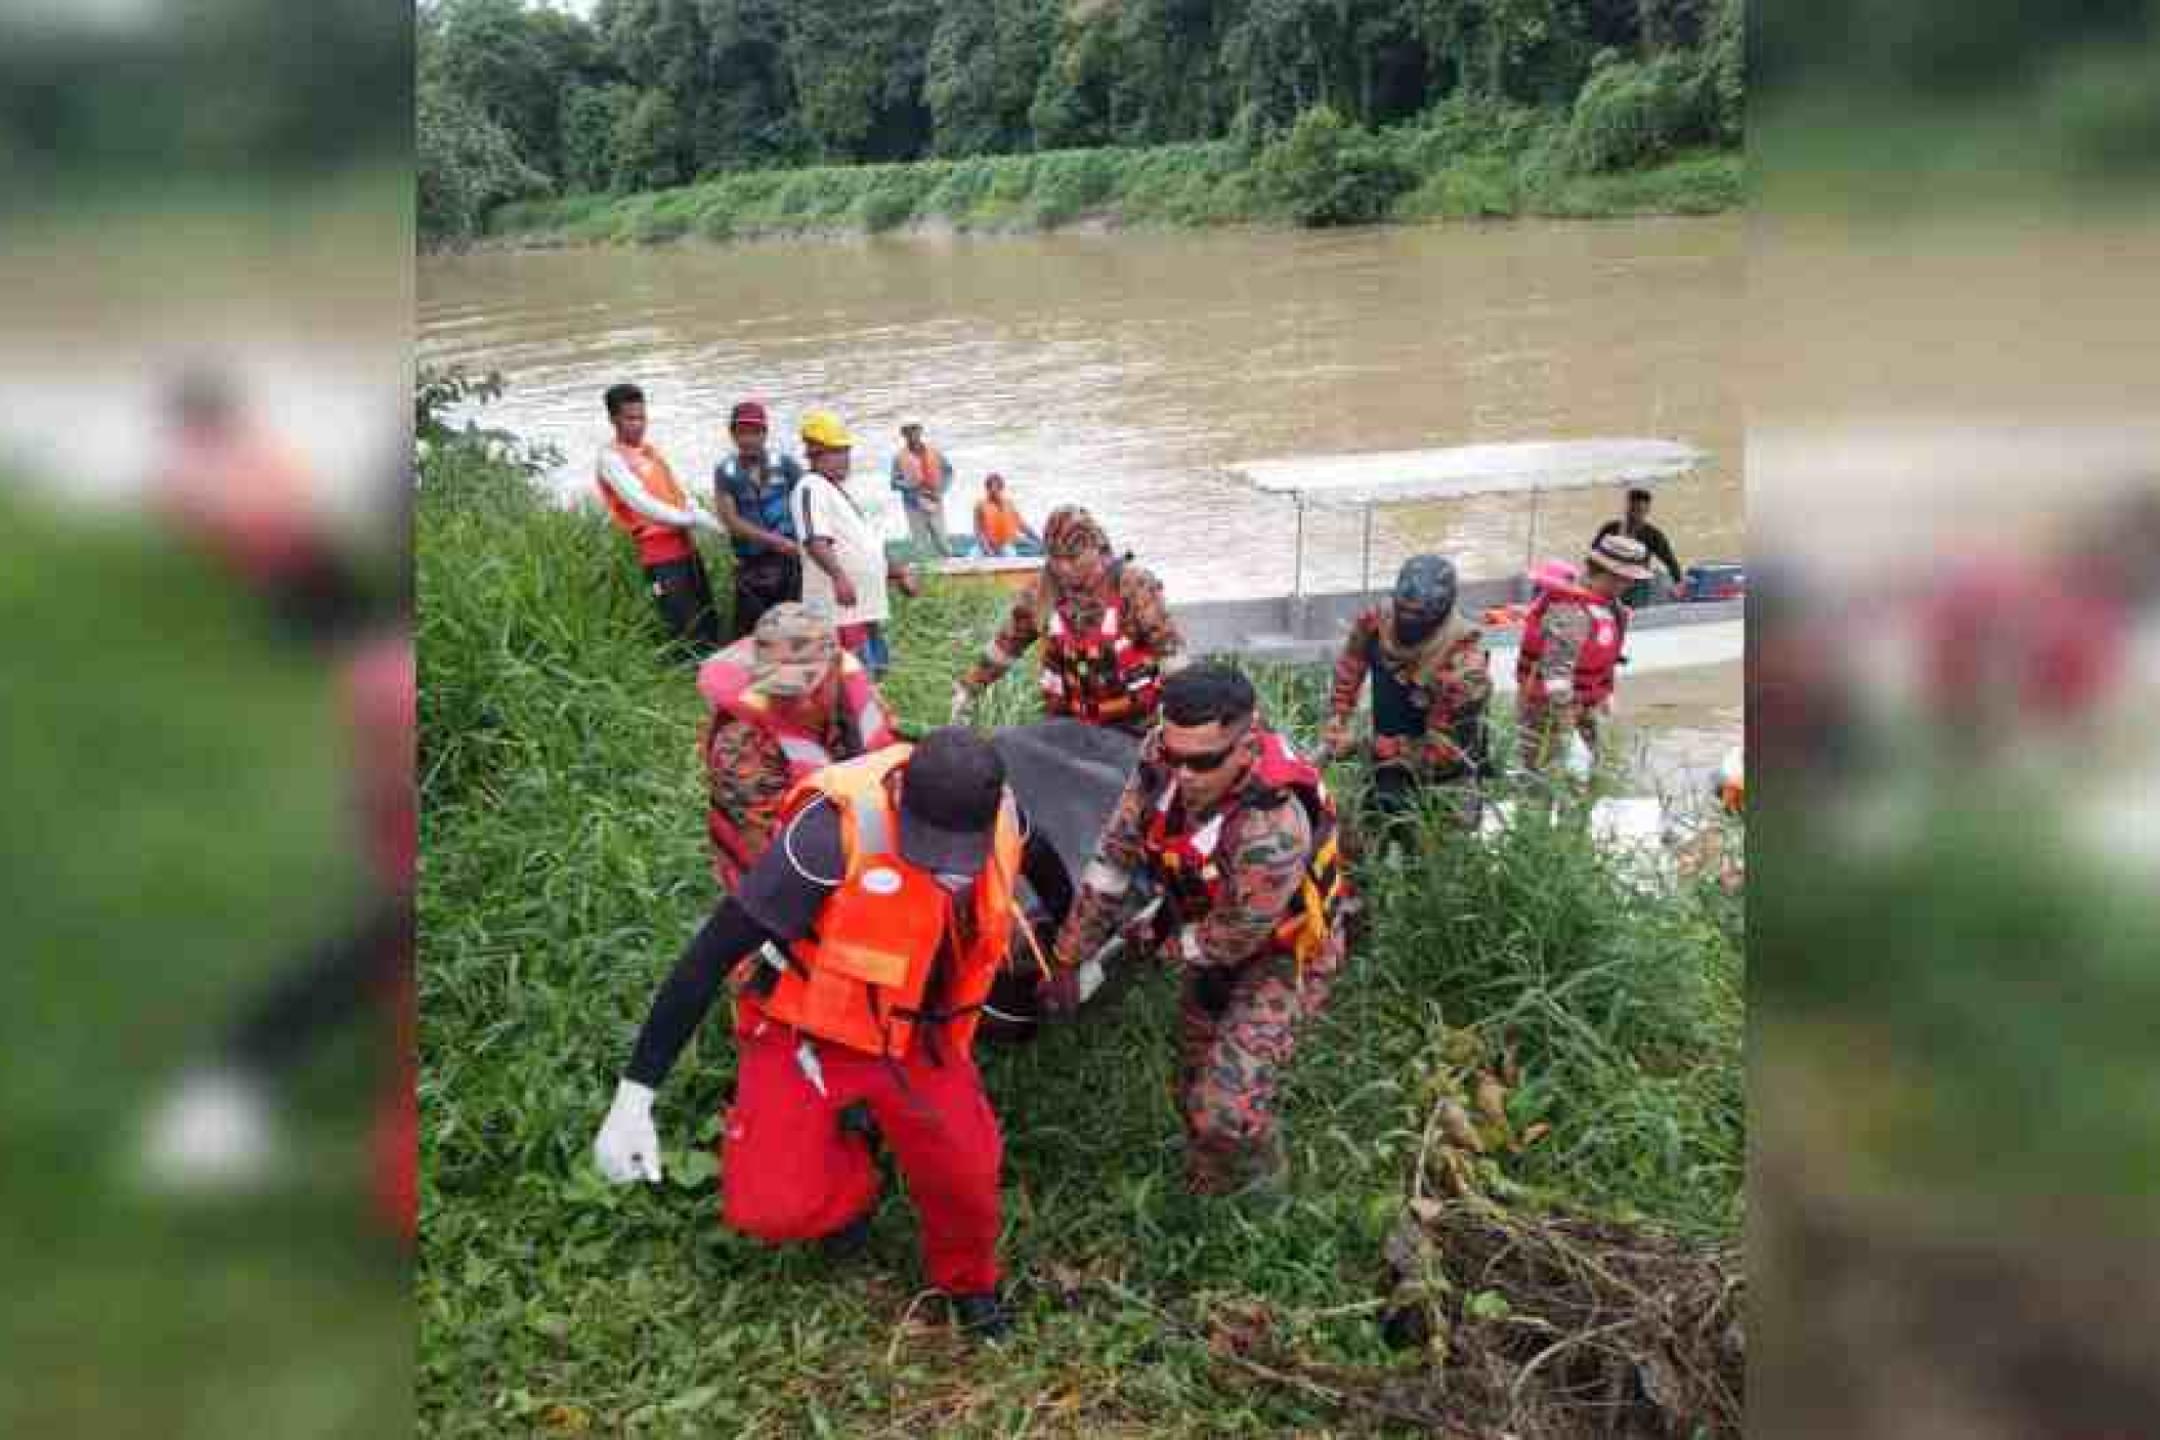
[(1203, 183), (657, 93), (564, 867)]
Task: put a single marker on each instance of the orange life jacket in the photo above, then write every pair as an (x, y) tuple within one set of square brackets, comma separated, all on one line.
[(926, 472), (1101, 674), (998, 520), (863, 977), (1186, 858), (724, 681), (657, 544), (1599, 659)]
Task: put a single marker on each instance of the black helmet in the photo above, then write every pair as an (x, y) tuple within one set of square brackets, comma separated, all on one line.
[(1425, 587)]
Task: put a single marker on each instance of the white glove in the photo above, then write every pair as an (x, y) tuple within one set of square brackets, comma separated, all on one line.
[(628, 1147), (213, 1132), (1577, 761), (706, 520), (963, 701)]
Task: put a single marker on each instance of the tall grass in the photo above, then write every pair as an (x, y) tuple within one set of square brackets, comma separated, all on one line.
[(1463, 159), (564, 867)]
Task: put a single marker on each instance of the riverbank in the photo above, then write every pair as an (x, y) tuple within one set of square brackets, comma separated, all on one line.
[(564, 865), (1406, 176)]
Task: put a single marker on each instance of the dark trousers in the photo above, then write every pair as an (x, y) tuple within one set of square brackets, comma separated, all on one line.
[(682, 593), (761, 582)]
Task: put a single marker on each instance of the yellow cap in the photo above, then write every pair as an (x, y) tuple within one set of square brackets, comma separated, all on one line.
[(823, 429)]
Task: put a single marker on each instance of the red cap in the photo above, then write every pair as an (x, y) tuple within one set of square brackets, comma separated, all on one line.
[(749, 412)]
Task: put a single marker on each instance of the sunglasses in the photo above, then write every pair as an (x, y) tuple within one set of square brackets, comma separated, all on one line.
[(1203, 764)]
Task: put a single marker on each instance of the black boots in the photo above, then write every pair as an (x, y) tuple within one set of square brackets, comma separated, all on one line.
[(981, 1317)]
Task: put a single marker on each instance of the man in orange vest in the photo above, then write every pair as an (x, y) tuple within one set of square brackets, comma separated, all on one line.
[(1572, 639), (998, 522), (1237, 832), (786, 702), (1108, 639), (641, 494), (864, 943), (922, 475)]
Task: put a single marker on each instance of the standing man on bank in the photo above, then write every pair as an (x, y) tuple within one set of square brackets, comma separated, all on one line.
[(863, 943), (922, 475), (1572, 640), (847, 568), (751, 490), (1238, 833), (1635, 525), (641, 494), (1431, 684)]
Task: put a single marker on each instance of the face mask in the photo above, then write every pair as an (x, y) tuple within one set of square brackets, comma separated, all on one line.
[(1413, 630)]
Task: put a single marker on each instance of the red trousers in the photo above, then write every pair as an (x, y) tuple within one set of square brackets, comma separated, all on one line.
[(788, 1172)]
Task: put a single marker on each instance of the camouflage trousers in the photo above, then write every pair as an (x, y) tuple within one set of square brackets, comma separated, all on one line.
[(1540, 736), (1236, 1034)]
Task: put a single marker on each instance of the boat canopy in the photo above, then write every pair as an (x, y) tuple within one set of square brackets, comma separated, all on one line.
[(1399, 477)]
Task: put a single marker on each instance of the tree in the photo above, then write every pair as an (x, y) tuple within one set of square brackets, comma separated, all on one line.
[(467, 165), (515, 64), (858, 69), (649, 143), (592, 116)]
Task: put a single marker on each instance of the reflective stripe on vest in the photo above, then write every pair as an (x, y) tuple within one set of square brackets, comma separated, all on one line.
[(1106, 678), (1191, 873)]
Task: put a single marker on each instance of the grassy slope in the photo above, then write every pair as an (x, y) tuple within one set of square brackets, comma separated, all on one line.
[(174, 827), (1191, 184), (564, 866)]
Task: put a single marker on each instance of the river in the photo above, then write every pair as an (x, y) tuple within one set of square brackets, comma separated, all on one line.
[(1124, 369)]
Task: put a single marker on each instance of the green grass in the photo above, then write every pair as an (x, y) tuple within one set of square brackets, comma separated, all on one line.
[(175, 826), (564, 867), (1465, 167)]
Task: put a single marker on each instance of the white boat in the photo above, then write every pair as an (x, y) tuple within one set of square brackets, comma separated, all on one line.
[(1306, 627)]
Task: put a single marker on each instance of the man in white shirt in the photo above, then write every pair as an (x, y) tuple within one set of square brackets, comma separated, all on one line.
[(648, 505), (845, 569)]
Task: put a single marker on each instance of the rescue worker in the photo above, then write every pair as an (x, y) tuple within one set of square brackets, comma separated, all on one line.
[(846, 567), (1108, 639), (1431, 683), (751, 489), (1238, 833), (641, 494), (922, 474), (863, 943), (786, 703), (1572, 639)]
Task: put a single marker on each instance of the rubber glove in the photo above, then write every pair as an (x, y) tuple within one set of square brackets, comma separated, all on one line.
[(628, 1147), (1577, 761), (214, 1132)]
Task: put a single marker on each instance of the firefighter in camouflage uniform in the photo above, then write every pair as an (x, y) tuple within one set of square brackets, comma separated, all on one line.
[(1431, 685), (1108, 639), (786, 702), (1238, 833)]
